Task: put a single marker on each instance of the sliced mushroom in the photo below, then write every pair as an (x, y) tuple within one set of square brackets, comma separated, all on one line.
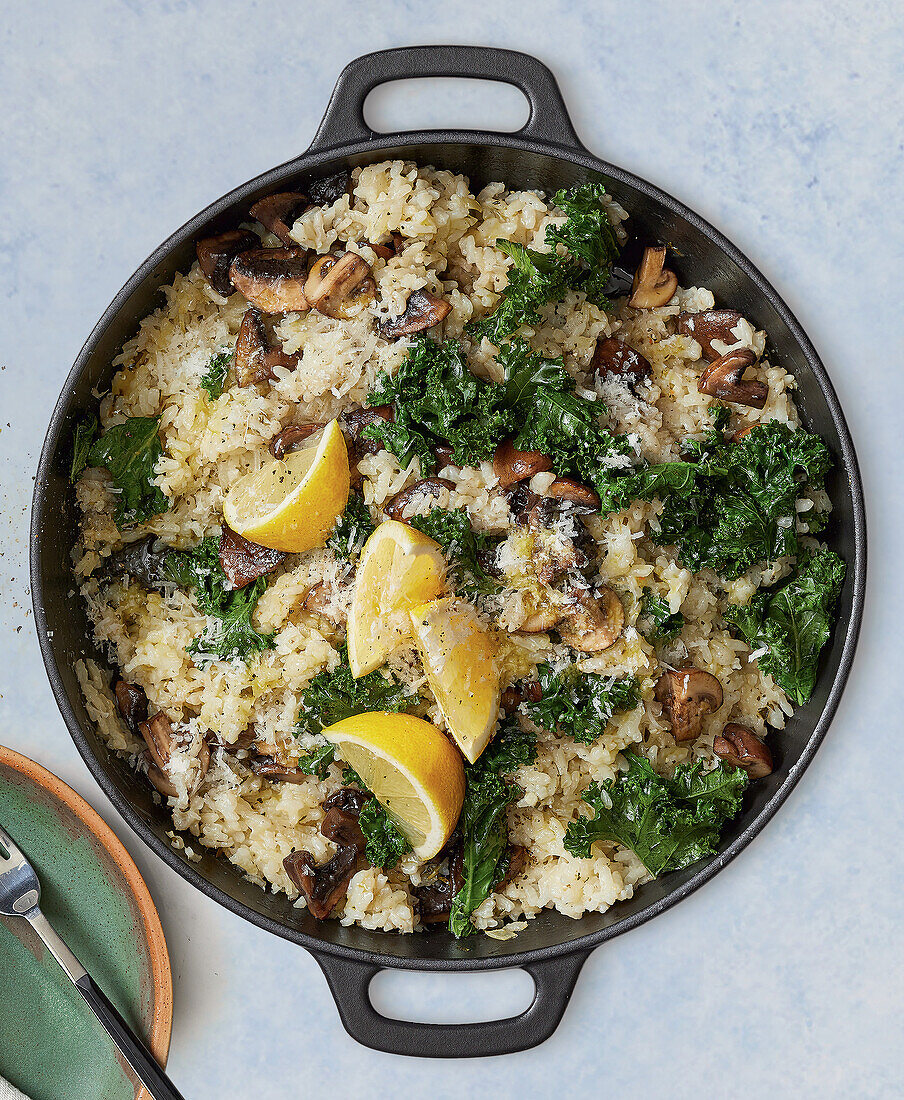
[(568, 491), (529, 690), (542, 619), (242, 743), (614, 358), (291, 437), (340, 286), (596, 624), (517, 861), (654, 285), (387, 251), (273, 279), (319, 600), (741, 748), (244, 561), (157, 732), (422, 311), (434, 897), (143, 561), (687, 694), (444, 453), (340, 823), (279, 212), (430, 486), (709, 325), (324, 192), (511, 465), (356, 420), (254, 359), (325, 886), (724, 379), (159, 780), (737, 436), (132, 704), (268, 768), (215, 255)]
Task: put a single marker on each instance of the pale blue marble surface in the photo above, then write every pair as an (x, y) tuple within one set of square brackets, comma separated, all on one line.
[(782, 123)]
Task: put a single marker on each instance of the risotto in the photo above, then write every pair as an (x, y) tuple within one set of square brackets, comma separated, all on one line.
[(637, 649)]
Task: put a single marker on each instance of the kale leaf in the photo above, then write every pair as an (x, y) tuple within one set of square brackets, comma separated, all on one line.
[(317, 761), (534, 279), (129, 452), (332, 696), (353, 529), (580, 704), (668, 823), (794, 620), (83, 438), (463, 548), (482, 822), (229, 633), (385, 843), (660, 623), (436, 397), (589, 237), (213, 379)]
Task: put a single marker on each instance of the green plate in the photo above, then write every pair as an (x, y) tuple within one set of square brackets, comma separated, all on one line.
[(51, 1045)]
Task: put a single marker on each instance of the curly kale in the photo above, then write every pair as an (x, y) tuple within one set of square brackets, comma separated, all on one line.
[(668, 823), (482, 823), (462, 546), (129, 452), (332, 696), (580, 704), (353, 528), (657, 622), (589, 238), (213, 380), (385, 843), (793, 621)]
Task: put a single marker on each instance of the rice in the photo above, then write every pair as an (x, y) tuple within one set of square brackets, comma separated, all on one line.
[(449, 233)]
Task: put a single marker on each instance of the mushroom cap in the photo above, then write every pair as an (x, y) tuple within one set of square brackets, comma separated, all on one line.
[(279, 212), (423, 310), (654, 285), (709, 325), (340, 286), (511, 465), (595, 624), (244, 561), (273, 279), (724, 379), (612, 357), (215, 255), (429, 486), (741, 748), (687, 694)]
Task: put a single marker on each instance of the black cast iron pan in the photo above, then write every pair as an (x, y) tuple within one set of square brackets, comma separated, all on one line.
[(545, 154)]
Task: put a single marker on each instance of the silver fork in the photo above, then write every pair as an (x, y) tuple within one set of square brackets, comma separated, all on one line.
[(20, 893)]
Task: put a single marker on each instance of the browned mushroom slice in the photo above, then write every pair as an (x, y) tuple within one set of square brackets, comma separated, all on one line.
[(323, 887), (724, 379), (422, 311), (268, 768), (356, 420), (244, 561), (568, 491), (614, 358), (340, 823), (444, 453), (215, 254), (687, 694), (279, 212), (434, 897), (159, 780), (654, 285), (319, 600), (511, 465), (291, 437), (429, 486), (709, 325), (541, 619), (741, 748), (517, 861), (254, 359), (132, 704), (596, 624), (340, 286), (157, 732), (324, 192), (273, 279), (242, 743), (737, 436)]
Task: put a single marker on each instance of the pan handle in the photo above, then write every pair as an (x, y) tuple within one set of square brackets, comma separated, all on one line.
[(349, 982), (343, 122)]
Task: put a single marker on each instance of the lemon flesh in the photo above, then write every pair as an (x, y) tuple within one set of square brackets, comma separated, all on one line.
[(292, 504), (398, 569), (412, 770), (459, 658)]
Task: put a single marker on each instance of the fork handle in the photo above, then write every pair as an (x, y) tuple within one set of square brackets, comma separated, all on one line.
[(143, 1063)]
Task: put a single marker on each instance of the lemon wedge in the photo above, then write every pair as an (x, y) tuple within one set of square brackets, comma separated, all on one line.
[(413, 771), (292, 504), (459, 658), (399, 568)]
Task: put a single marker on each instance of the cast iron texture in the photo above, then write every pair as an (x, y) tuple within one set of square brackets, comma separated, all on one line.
[(546, 154)]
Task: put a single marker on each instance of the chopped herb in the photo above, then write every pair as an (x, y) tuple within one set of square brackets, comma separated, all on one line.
[(332, 696), (668, 823), (580, 704), (214, 378), (463, 548), (82, 440), (129, 452), (793, 621), (659, 623), (353, 529), (483, 821)]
